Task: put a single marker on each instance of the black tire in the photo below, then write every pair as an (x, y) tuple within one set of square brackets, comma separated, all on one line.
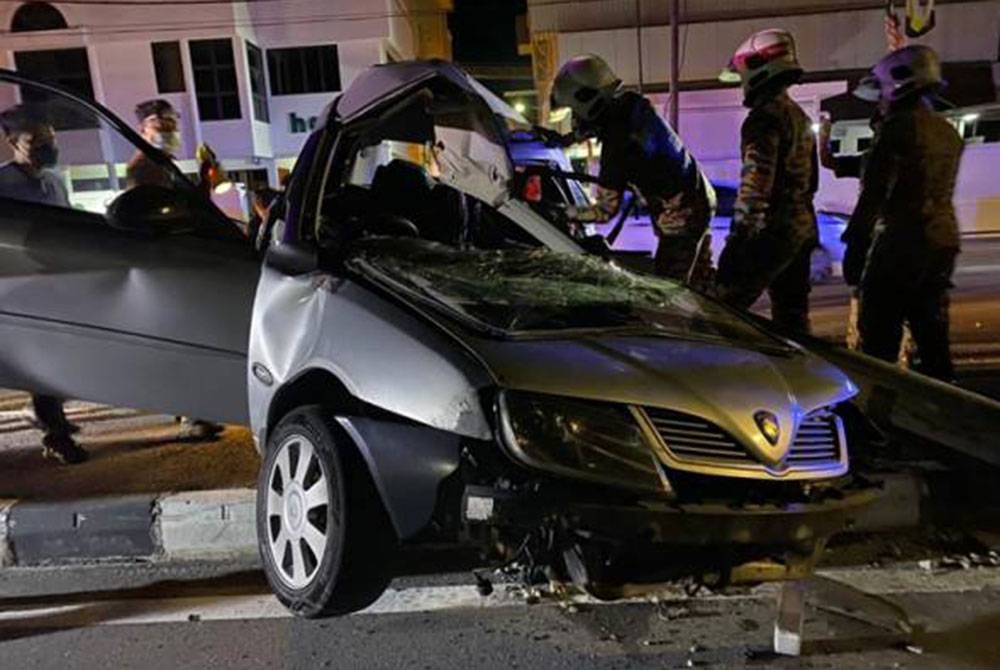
[(354, 568)]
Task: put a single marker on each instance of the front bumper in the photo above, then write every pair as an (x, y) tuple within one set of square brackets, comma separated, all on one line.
[(660, 540)]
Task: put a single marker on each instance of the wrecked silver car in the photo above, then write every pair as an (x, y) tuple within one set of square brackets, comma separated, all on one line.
[(423, 356), (432, 359)]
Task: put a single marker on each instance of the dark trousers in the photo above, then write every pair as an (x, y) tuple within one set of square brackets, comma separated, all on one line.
[(904, 282), (750, 265), (49, 413)]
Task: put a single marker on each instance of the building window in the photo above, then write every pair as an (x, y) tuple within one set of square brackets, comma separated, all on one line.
[(258, 83), (215, 79), (68, 68), (33, 16), (304, 70), (167, 64)]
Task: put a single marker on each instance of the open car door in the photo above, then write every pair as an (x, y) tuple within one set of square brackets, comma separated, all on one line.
[(116, 285)]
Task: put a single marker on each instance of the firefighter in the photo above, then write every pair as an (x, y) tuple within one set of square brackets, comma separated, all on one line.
[(641, 153), (773, 231), (907, 190)]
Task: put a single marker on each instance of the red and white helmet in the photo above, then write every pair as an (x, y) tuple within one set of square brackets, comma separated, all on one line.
[(912, 70), (765, 57)]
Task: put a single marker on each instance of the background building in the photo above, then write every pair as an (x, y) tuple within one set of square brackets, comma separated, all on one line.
[(248, 78), (838, 40)]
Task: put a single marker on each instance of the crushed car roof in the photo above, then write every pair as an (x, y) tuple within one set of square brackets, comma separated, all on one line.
[(379, 82)]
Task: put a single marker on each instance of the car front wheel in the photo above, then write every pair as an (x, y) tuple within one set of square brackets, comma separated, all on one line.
[(324, 536)]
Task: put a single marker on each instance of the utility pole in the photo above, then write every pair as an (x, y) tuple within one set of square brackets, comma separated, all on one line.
[(675, 64), (638, 38)]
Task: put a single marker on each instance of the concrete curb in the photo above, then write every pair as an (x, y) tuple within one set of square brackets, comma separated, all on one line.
[(220, 525), (214, 525)]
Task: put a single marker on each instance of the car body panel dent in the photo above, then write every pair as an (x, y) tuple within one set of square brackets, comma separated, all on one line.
[(384, 355), (408, 462)]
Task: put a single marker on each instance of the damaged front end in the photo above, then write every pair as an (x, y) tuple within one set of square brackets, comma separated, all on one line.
[(598, 505)]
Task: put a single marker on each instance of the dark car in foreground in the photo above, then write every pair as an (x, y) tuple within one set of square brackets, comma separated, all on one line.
[(424, 357)]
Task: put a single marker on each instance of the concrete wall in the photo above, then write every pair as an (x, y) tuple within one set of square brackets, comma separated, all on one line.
[(710, 127)]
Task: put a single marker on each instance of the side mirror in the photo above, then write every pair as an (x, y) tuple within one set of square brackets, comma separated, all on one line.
[(291, 258), (153, 210)]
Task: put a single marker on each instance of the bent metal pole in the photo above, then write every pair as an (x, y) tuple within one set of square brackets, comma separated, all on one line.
[(675, 65)]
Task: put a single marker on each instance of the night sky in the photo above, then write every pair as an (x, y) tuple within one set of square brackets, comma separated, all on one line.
[(483, 30)]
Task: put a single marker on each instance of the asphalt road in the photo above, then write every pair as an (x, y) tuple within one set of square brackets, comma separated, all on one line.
[(856, 618)]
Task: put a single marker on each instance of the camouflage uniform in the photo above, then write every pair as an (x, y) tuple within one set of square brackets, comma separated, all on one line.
[(908, 186), (641, 152), (773, 231)]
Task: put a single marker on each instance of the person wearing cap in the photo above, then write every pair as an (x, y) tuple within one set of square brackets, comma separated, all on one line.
[(904, 223), (773, 231), (640, 152), (29, 176), (159, 125)]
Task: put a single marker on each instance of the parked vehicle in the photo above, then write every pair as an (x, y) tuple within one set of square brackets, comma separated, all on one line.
[(424, 356)]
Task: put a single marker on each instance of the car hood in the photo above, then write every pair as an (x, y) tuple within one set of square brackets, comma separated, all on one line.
[(725, 384), (576, 326)]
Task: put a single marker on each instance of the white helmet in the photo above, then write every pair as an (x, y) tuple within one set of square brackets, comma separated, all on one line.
[(909, 71), (765, 57), (586, 85)]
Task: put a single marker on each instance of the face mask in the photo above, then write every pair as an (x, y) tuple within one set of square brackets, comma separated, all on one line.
[(167, 141), (45, 156)]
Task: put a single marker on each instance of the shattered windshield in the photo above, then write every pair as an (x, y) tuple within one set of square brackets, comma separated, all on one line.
[(532, 291)]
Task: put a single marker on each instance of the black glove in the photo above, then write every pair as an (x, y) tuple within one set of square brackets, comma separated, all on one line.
[(551, 138), (855, 256)]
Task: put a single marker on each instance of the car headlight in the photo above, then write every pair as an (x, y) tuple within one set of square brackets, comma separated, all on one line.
[(600, 442)]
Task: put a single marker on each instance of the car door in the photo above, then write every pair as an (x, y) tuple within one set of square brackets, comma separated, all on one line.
[(155, 317)]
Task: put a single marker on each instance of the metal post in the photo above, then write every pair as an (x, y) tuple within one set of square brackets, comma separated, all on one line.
[(675, 64), (790, 619), (638, 38)]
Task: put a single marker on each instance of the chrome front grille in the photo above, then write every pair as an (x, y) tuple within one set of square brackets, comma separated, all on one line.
[(693, 438), (817, 441), (694, 443)]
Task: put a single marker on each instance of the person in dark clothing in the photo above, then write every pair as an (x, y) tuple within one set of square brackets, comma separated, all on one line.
[(29, 176), (642, 153), (258, 233), (159, 125), (905, 219), (773, 231)]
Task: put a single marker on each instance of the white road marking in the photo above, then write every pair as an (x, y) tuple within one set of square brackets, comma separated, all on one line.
[(876, 581)]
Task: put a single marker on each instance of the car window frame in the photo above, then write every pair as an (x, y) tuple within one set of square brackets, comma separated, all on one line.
[(161, 159)]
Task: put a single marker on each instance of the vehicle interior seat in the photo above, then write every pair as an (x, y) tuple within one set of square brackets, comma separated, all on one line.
[(400, 188), (404, 190)]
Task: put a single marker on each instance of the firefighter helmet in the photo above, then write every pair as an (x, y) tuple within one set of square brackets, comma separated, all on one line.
[(766, 57), (586, 85), (912, 70)]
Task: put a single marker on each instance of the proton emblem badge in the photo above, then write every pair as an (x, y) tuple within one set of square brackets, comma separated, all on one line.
[(767, 422)]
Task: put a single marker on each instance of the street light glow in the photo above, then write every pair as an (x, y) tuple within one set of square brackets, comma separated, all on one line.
[(520, 107)]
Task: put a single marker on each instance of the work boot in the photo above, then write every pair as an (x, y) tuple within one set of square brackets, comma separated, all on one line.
[(197, 429), (63, 449)]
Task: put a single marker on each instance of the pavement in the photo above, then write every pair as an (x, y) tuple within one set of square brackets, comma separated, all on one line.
[(130, 453)]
